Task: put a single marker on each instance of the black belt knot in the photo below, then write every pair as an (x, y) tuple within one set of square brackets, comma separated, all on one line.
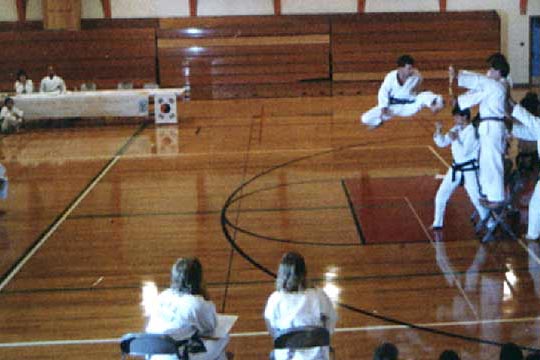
[(470, 165)]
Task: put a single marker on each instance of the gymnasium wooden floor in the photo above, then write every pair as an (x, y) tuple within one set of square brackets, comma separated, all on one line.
[(96, 214)]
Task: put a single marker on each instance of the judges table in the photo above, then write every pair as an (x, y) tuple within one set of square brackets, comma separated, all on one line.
[(102, 103)]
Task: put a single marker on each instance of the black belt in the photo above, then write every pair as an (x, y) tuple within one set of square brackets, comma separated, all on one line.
[(470, 165), (396, 101), (492, 118)]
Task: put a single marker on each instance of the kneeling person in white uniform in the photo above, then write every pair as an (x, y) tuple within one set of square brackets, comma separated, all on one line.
[(182, 310), (398, 95), (11, 118), (465, 146), (52, 82)]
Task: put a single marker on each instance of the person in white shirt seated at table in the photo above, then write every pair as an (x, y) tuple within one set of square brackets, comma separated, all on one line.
[(294, 304), (23, 85), (52, 82), (184, 309), (11, 118)]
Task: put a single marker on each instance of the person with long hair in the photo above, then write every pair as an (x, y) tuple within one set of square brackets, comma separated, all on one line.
[(184, 309), (296, 304)]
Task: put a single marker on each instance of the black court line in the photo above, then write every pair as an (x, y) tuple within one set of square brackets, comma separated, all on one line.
[(261, 282), (231, 253), (36, 242), (353, 214), (225, 223), (195, 213)]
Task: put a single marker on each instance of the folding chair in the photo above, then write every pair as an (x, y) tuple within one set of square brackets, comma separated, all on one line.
[(302, 338), (145, 345)]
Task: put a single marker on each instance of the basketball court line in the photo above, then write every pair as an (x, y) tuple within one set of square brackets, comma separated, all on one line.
[(432, 242), (64, 215), (187, 154), (265, 333)]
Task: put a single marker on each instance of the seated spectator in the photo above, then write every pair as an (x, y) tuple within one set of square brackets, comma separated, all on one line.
[(386, 351), (183, 309), (23, 85), (449, 355), (510, 351), (294, 304), (52, 82), (11, 118)]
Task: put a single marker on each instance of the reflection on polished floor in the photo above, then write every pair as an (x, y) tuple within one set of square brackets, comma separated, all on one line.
[(97, 214)]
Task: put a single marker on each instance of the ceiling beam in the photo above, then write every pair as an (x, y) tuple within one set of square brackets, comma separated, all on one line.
[(21, 10), (106, 5), (361, 6), (442, 5), (277, 7), (523, 7), (192, 7)]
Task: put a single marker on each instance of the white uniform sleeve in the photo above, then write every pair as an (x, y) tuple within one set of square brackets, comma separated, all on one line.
[(270, 309), (327, 309), (3, 113), (442, 140), (206, 318), (62, 85), (18, 112), (522, 132), (384, 92), (528, 120), (42, 86), (417, 81)]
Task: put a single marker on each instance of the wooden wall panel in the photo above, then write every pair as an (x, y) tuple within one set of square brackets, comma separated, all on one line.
[(264, 56), (105, 57)]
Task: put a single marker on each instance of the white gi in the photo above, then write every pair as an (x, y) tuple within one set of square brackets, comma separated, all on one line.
[(10, 119), (401, 100), (464, 170), (529, 129), (491, 97), (180, 315), (286, 310), (3, 183), (56, 84), (26, 87)]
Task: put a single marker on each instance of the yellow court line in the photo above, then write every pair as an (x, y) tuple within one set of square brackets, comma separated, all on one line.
[(438, 156)]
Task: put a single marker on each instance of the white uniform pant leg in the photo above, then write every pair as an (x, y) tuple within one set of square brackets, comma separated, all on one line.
[(533, 229), (490, 161), (374, 117), (471, 186), (446, 189), (10, 123)]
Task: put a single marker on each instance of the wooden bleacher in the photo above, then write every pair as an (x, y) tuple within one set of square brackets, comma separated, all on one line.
[(365, 47), (253, 56), (102, 56), (246, 56)]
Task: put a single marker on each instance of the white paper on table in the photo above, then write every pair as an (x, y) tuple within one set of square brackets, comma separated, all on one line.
[(224, 325)]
